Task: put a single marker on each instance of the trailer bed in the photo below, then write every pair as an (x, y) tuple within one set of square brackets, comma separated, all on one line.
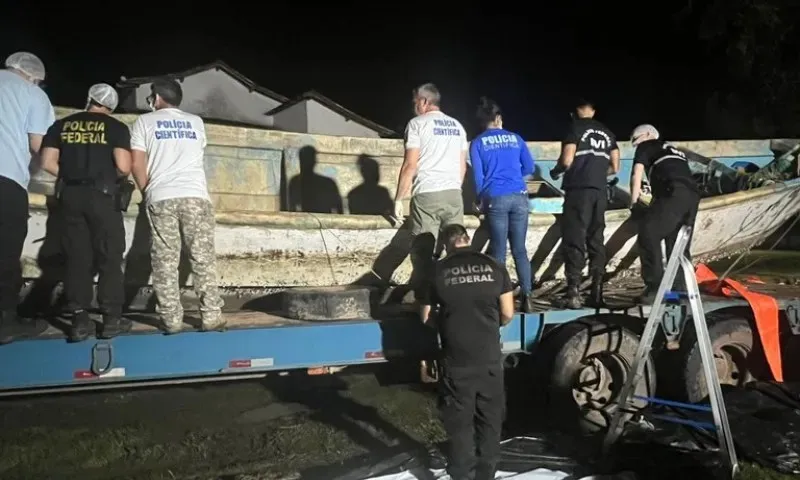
[(258, 342)]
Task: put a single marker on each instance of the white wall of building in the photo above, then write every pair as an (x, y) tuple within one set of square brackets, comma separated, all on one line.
[(214, 94)]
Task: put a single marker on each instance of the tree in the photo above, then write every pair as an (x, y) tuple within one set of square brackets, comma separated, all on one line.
[(755, 42)]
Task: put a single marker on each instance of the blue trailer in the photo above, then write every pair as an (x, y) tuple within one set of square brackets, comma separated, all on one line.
[(582, 356)]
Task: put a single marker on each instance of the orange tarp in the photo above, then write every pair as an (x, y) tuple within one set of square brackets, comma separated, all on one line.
[(765, 311)]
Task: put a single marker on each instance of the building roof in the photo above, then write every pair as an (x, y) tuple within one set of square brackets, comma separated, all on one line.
[(217, 65), (327, 102)]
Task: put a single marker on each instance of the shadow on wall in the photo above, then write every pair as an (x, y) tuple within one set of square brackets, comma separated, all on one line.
[(44, 300), (468, 192), (138, 268), (627, 230), (369, 198), (309, 191), (480, 239), (41, 299)]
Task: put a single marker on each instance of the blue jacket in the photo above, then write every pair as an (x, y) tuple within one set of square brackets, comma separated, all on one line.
[(500, 162)]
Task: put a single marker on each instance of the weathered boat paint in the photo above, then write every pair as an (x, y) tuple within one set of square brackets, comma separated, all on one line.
[(282, 249), (249, 171)]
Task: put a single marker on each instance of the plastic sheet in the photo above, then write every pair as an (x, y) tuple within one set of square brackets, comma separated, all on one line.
[(522, 458), (764, 417)]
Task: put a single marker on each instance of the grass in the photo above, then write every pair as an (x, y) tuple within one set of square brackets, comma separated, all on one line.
[(755, 472), (234, 430), (192, 431)]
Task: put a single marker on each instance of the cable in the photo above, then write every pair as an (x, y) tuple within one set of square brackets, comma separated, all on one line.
[(328, 257)]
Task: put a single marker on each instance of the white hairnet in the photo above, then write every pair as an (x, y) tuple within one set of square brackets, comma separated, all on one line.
[(105, 95), (27, 63), (643, 130)]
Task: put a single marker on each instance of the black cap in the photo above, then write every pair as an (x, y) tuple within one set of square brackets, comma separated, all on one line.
[(168, 89), (584, 102)]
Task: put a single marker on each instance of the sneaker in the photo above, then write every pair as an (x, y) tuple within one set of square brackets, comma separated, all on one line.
[(81, 326)]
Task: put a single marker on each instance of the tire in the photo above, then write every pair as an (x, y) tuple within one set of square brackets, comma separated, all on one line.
[(589, 362), (319, 304), (732, 342)]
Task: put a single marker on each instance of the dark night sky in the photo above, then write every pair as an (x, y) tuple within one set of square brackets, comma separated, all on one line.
[(533, 62)]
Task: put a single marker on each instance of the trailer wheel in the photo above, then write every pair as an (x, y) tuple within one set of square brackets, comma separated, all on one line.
[(732, 341), (591, 360), (345, 302)]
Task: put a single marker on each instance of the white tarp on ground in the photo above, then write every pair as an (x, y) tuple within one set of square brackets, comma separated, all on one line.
[(538, 474), (534, 474)]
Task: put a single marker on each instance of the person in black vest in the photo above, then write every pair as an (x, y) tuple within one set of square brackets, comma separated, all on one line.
[(88, 152), (589, 154), (676, 198), (469, 299)]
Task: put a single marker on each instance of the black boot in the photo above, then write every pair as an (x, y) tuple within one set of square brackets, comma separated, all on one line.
[(81, 326), (13, 327), (573, 299), (596, 292), (113, 325), (526, 303), (648, 297)]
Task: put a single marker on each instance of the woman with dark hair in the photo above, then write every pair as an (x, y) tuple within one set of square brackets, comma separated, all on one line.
[(500, 162)]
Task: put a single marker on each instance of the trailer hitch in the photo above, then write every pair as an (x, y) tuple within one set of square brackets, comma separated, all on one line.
[(102, 358), (672, 321)]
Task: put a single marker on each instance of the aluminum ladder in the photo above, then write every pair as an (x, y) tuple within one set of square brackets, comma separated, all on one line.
[(721, 425)]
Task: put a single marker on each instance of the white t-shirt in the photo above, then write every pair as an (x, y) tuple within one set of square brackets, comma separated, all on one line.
[(175, 142), (441, 141)]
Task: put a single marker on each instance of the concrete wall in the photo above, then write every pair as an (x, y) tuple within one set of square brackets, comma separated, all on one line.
[(256, 170), (255, 173), (214, 94)]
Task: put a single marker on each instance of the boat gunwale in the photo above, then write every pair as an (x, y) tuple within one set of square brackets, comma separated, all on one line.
[(316, 221)]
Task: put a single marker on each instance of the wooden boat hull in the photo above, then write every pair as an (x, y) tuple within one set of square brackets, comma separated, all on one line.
[(304, 249)]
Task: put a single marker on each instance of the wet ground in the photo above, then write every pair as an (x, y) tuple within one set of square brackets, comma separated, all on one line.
[(278, 428), (274, 428), (281, 428)]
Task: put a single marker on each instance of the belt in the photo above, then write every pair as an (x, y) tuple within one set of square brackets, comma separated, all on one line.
[(85, 182)]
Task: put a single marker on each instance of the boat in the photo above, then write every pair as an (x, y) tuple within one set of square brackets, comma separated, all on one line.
[(283, 221)]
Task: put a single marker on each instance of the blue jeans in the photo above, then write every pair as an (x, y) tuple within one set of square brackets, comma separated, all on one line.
[(507, 216)]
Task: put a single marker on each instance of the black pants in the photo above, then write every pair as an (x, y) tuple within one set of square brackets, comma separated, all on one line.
[(94, 241), (472, 402), (663, 221), (582, 225), (13, 230)]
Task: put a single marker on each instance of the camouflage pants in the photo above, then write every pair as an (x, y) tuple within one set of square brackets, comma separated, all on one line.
[(190, 222)]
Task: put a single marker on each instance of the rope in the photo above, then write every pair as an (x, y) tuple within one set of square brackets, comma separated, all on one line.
[(322, 230)]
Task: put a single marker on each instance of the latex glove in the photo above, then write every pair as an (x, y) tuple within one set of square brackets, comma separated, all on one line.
[(554, 174), (398, 211)]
